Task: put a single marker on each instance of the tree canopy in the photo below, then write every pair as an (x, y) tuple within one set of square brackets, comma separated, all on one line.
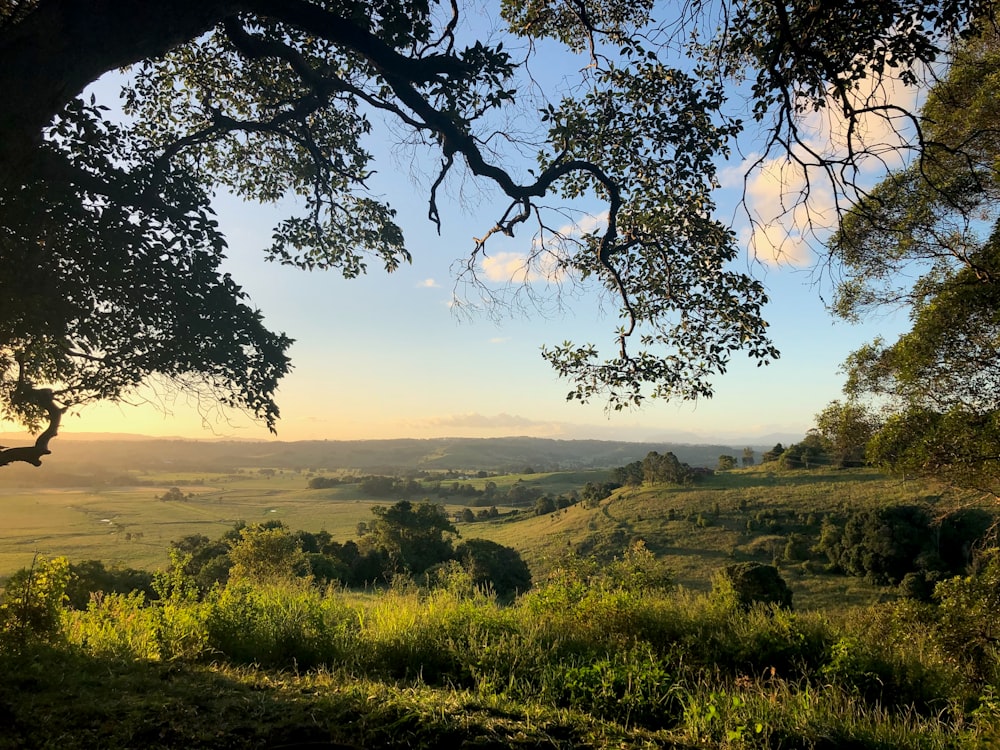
[(110, 255), (926, 238)]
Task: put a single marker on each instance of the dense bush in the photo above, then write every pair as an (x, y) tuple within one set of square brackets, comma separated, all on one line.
[(754, 583), (495, 566), (888, 544), (90, 577)]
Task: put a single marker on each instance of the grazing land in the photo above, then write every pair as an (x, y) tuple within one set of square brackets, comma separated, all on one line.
[(630, 637)]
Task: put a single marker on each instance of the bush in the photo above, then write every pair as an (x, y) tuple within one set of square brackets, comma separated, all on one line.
[(91, 576), (494, 565), (755, 583), (32, 605), (281, 624)]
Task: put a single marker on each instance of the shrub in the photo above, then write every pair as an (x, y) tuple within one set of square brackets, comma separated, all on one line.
[(494, 565), (754, 583), (32, 605), (278, 624)]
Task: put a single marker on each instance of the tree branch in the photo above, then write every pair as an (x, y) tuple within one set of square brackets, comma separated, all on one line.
[(44, 398)]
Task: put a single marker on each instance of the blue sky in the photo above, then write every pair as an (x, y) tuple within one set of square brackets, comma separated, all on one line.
[(386, 355)]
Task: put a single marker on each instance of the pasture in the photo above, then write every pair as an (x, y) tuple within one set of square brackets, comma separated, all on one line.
[(742, 515)]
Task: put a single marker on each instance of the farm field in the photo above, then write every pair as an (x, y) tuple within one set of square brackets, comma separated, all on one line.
[(742, 515), (133, 526)]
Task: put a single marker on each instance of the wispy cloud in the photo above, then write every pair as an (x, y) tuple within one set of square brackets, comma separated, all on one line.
[(544, 262), (428, 284), (500, 339), (789, 206), (487, 425)]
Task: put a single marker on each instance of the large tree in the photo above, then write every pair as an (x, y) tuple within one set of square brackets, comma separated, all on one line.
[(927, 238), (109, 253)]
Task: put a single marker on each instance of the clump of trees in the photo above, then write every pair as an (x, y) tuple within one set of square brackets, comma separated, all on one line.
[(903, 542), (401, 539), (655, 468)]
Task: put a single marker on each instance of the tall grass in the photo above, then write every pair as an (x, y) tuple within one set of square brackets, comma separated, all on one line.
[(686, 667)]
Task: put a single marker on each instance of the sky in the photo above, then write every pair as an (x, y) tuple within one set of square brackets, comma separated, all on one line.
[(388, 355)]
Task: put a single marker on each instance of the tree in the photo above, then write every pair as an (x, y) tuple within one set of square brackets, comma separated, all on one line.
[(927, 238), (727, 462), (411, 536), (545, 505), (755, 583), (262, 553), (494, 565), (847, 428), (810, 452), (629, 475), (772, 455), (109, 255), (885, 544), (658, 468), (748, 457)]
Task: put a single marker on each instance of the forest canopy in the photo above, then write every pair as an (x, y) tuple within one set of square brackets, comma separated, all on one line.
[(110, 253)]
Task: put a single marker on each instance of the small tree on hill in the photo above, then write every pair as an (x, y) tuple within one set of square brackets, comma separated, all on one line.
[(756, 583), (772, 455), (494, 565), (727, 462)]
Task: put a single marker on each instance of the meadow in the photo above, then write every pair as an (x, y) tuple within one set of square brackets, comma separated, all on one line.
[(131, 525), (630, 636), (730, 517)]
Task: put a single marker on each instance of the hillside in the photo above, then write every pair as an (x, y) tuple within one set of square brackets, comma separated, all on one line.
[(81, 462)]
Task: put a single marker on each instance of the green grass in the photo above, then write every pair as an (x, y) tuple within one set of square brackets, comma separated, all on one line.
[(129, 525), (583, 661), (776, 503)]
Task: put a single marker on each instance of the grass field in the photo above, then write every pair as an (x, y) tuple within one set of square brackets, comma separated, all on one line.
[(741, 515), (132, 526), (594, 657)]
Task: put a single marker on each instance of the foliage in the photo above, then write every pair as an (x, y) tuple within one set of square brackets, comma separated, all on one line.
[(772, 455), (264, 554), (967, 617), (32, 604), (846, 429), (808, 453), (926, 238), (887, 544), (727, 462), (88, 577), (411, 536), (495, 566), (755, 583), (618, 653), (126, 249)]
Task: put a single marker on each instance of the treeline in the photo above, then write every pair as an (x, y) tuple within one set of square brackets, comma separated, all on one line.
[(520, 494), (402, 539)]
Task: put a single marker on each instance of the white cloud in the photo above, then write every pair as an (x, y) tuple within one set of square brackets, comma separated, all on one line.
[(428, 284), (789, 207), (508, 267), (500, 339), (544, 263)]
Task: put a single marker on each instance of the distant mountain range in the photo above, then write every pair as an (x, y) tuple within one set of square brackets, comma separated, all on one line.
[(122, 453)]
